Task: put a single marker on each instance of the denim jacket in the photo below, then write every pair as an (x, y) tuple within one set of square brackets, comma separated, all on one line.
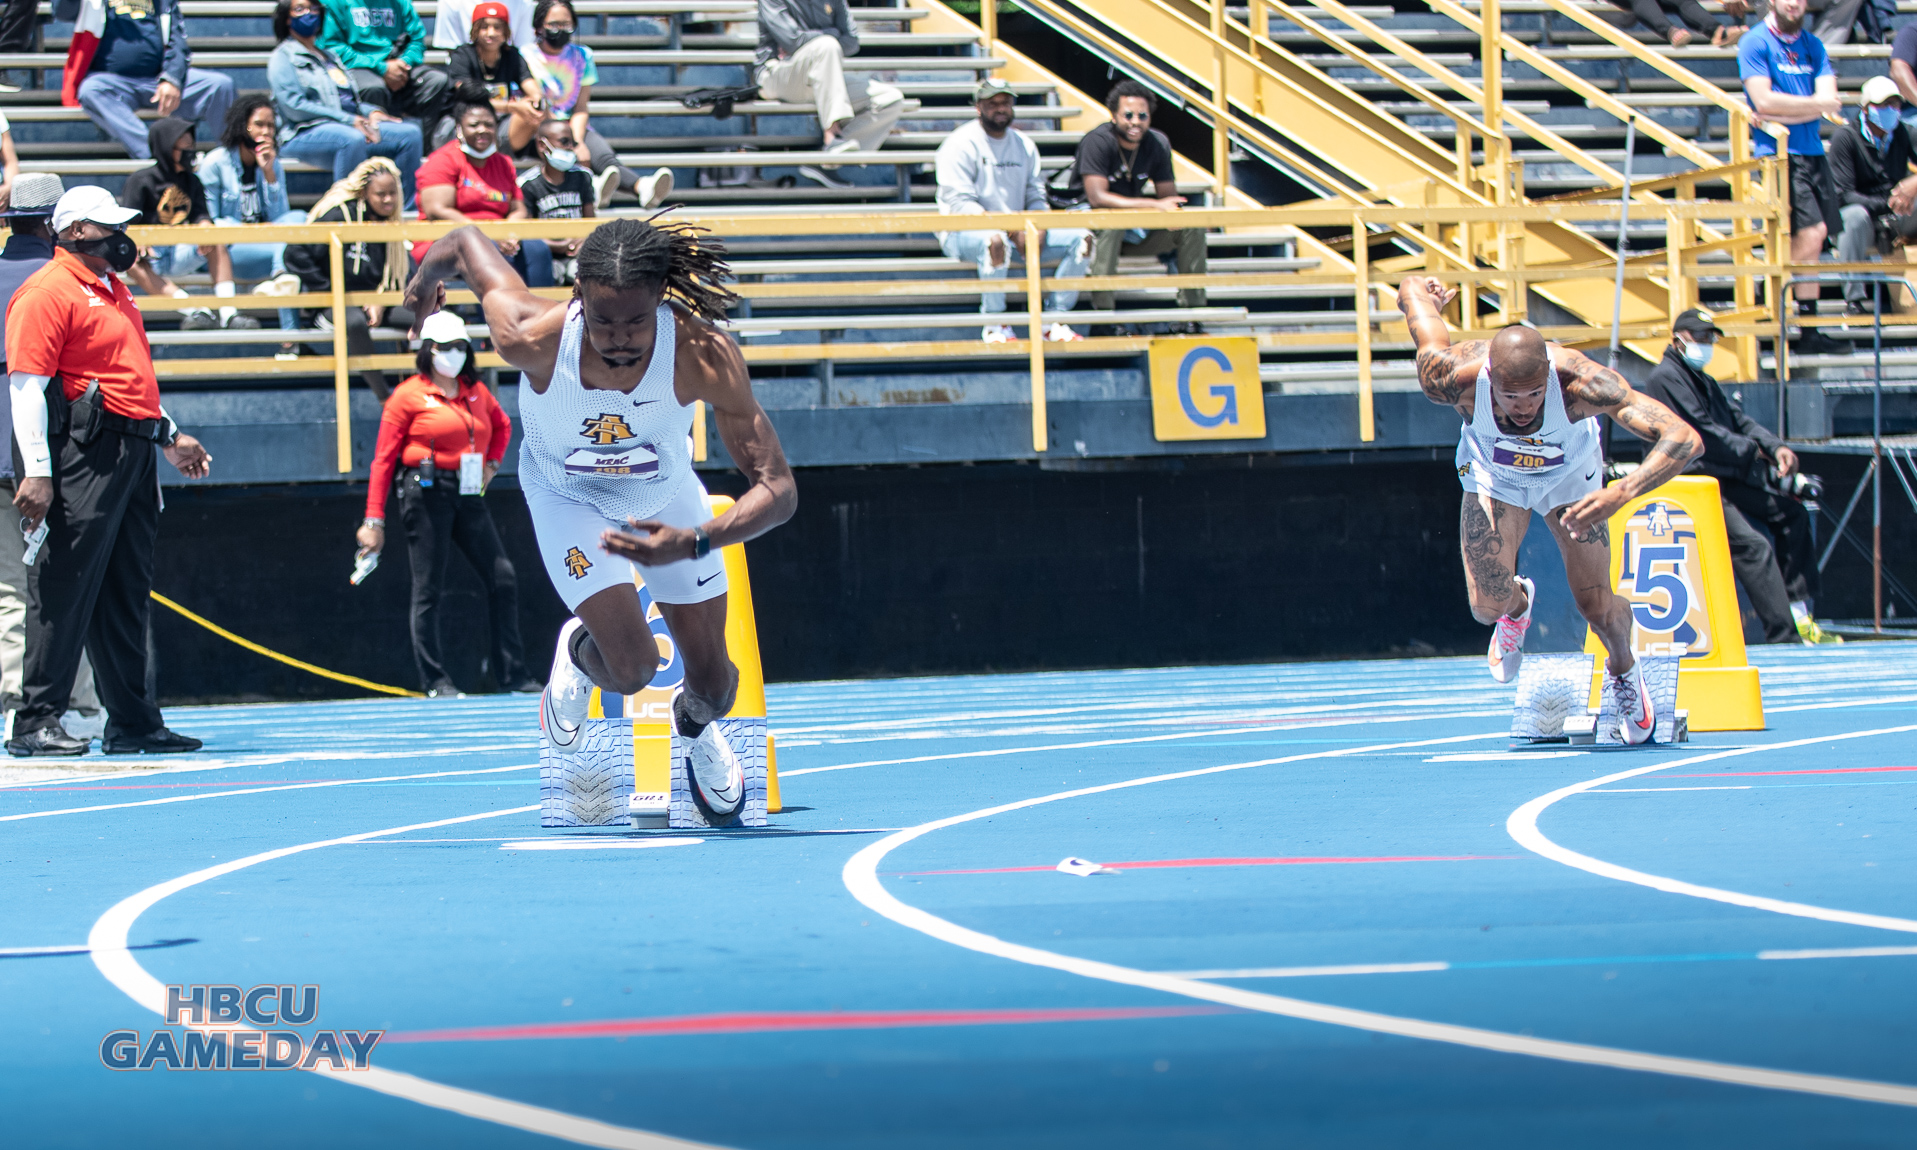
[(221, 173), (303, 90)]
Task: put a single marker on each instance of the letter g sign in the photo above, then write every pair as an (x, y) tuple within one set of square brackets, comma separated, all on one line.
[(1206, 388), (1224, 391)]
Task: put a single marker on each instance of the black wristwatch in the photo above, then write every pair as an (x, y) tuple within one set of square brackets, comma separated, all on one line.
[(701, 543)]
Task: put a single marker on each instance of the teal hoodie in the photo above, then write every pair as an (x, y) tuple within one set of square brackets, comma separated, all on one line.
[(361, 32)]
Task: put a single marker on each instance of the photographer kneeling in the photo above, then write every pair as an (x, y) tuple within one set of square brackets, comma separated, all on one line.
[(1869, 161), (1758, 478)]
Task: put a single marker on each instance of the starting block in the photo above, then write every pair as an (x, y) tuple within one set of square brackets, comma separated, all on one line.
[(1553, 703), (616, 777)]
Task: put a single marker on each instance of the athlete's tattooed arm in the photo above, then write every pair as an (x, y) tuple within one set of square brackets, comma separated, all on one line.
[(1590, 389), (1446, 372)]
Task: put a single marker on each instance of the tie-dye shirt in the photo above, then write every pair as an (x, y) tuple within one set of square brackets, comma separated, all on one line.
[(564, 76)]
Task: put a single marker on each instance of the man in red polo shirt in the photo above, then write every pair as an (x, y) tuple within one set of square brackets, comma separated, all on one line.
[(86, 415)]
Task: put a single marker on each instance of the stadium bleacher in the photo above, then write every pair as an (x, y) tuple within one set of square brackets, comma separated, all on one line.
[(650, 52)]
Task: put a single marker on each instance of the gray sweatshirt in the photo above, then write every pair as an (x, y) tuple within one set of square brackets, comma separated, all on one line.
[(978, 174)]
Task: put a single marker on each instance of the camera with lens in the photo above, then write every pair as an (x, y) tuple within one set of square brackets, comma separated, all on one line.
[(1801, 486)]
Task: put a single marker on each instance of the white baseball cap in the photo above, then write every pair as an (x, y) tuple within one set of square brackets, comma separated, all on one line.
[(1877, 89), (92, 203), (442, 327)]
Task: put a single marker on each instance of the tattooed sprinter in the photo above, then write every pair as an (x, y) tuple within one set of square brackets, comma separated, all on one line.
[(1530, 443)]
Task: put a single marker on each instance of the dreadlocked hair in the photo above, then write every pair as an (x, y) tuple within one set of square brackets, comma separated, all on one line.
[(631, 253)]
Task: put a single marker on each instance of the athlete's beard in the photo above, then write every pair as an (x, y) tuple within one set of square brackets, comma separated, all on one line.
[(1787, 27)]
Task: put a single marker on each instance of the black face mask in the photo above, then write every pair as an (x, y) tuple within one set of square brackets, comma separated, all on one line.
[(556, 37), (118, 250)]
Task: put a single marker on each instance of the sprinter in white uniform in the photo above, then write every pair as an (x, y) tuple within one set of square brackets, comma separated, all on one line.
[(606, 464), (1531, 443)]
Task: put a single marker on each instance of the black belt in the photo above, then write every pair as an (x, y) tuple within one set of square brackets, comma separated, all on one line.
[(148, 429)]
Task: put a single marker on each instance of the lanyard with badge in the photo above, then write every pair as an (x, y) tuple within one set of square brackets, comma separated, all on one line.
[(472, 465)]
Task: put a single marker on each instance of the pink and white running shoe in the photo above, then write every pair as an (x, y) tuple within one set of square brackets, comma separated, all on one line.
[(1637, 715), (1507, 642)]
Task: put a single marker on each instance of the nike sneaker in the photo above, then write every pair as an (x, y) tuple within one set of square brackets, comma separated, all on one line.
[(1637, 716), (718, 779), (1807, 628), (562, 707), (1507, 640)]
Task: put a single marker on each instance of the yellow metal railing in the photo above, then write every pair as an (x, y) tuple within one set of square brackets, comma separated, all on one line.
[(1676, 270)]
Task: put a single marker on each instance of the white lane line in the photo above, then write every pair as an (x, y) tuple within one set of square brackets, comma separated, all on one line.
[(595, 845), (1646, 790), (860, 876), (190, 766), (1314, 971), (107, 940), (1846, 952), (39, 951), (1205, 734), (256, 791), (1523, 826)]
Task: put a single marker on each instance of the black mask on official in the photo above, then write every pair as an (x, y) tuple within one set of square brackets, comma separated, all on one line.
[(556, 37), (118, 250)]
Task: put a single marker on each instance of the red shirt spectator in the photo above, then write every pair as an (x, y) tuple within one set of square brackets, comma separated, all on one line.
[(482, 190), (419, 418)]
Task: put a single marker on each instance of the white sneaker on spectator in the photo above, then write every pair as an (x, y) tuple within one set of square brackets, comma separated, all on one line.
[(655, 188), (1061, 333), (286, 283), (605, 184), (839, 148), (818, 176), (198, 319), (998, 333)]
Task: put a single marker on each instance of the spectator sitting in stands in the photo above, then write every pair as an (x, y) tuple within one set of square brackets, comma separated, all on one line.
[(470, 181), (169, 194), (1116, 161), (9, 164), (558, 189), (566, 75), (369, 195), (244, 185), (321, 119), (383, 43), (1651, 14), (141, 60), (801, 60), (1869, 158), (489, 62), (453, 26), (1836, 22), (990, 166)]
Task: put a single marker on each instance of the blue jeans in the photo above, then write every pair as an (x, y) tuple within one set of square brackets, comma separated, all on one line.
[(534, 263), (1071, 247), (250, 261), (342, 146), (113, 102)]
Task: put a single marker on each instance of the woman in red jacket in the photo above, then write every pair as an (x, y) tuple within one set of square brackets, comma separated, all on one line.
[(441, 438)]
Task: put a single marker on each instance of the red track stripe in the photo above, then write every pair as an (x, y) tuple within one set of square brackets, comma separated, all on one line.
[(774, 1021), (1153, 863), (1817, 771)]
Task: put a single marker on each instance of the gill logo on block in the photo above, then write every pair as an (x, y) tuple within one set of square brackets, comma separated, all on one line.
[(1206, 388), (1661, 573)]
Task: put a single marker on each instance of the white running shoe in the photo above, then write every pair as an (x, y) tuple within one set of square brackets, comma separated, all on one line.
[(997, 333), (655, 188), (1507, 642), (562, 707), (1636, 714), (715, 772), (1061, 333)]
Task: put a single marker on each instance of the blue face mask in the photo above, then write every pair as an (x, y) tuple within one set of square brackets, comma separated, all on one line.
[(305, 24), (1698, 354), (1886, 118)]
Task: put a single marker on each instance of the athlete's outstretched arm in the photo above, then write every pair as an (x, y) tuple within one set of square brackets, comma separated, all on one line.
[(1591, 389), (712, 369), (1441, 365), (466, 254)]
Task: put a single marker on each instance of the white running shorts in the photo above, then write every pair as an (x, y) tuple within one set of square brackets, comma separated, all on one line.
[(1581, 477), (568, 534)]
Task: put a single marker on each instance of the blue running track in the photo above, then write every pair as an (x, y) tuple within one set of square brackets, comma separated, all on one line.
[(1343, 911)]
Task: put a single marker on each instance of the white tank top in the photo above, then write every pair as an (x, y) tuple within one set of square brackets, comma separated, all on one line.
[(623, 453), (1537, 459)]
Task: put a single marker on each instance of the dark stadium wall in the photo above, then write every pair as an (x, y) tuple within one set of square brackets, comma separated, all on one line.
[(898, 571)]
